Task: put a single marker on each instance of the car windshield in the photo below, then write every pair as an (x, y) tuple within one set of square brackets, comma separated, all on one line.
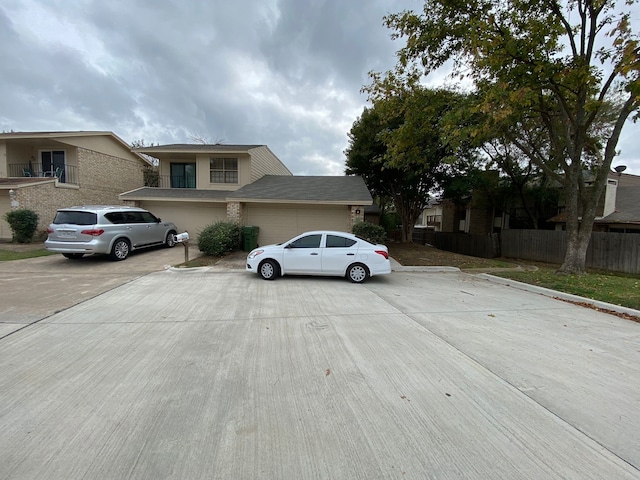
[(75, 218)]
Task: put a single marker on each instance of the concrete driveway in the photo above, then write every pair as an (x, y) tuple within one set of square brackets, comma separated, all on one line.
[(35, 288), (215, 373)]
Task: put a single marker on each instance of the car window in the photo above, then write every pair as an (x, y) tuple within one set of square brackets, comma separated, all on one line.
[(132, 217), (310, 241), (148, 217), (75, 218), (115, 217), (338, 241)]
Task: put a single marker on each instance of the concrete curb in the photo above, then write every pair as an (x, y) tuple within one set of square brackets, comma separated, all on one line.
[(555, 294), (396, 267), (400, 268)]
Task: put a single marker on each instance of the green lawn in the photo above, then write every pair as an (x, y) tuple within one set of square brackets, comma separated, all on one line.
[(615, 288), (7, 255)]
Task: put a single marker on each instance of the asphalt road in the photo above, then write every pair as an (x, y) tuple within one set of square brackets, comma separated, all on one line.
[(215, 373)]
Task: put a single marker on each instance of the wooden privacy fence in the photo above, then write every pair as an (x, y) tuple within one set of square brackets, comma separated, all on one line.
[(618, 252), (485, 246)]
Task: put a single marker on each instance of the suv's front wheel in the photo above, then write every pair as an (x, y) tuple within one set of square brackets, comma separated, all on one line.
[(121, 249), (170, 241)]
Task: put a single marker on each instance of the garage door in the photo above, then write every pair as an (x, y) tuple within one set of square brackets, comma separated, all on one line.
[(5, 206), (190, 217), (279, 223)]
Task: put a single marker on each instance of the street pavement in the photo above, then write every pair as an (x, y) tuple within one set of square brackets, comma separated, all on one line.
[(214, 373)]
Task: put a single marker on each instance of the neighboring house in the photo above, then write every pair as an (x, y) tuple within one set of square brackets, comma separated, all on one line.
[(44, 171), (431, 216), (618, 209), (621, 205), (199, 185)]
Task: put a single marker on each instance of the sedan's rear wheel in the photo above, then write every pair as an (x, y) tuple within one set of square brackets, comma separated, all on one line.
[(269, 270), (121, 249), (357, 273)]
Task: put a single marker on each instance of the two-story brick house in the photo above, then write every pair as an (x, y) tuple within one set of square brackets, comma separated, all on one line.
[(44, 171), (201, 184)]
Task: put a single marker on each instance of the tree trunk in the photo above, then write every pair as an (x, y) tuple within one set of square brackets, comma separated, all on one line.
[(575, 258), (579, 228)]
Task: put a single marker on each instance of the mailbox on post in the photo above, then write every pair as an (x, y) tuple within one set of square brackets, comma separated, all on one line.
[(183, 238)]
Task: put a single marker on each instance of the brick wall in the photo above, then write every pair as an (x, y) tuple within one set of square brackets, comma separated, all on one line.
[(103, 177), (45, 199)]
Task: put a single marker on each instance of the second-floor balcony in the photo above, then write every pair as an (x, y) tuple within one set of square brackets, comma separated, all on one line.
[(64, 174), (170, 181)]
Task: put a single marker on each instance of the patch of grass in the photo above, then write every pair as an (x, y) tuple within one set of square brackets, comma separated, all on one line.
[(413, 254), (8, 255), (615, 288), (202, 261), (611, 287)]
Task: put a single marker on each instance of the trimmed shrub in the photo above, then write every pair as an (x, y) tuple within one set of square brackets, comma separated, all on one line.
[(219, 239), (370, 232), (23, 223)]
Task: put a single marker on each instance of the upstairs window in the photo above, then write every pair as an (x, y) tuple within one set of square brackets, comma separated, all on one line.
[(224, 170), (183, 175)]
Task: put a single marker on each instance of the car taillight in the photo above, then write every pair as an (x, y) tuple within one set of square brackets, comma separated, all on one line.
[(50, 230), (94, 232), (383, 253)]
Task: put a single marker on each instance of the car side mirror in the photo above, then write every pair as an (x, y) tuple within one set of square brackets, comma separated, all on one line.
[(158, 220)]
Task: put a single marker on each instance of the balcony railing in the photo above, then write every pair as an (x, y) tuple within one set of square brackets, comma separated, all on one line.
[(170, 181), (67, 174)]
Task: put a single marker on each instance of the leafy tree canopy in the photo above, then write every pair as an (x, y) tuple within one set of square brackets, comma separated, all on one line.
[(557, 79)]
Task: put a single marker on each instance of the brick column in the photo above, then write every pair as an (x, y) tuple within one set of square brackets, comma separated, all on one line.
[(356, 215), (236, 212)]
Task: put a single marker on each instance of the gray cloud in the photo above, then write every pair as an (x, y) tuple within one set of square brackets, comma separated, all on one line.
[(284, 73)]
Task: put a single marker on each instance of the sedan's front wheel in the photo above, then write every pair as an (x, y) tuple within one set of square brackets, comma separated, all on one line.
[(357, 273), (269, 270)]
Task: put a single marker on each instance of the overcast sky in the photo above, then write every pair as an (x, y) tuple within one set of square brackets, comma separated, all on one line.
[(284, 73)]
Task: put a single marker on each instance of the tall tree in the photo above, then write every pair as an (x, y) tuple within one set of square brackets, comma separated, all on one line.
[(398, 146), (562, 64)]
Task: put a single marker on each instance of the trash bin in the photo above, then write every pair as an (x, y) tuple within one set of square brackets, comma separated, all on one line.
[(250, 236)]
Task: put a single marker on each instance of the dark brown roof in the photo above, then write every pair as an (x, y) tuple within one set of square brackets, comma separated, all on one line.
[(176, 193), (196, 147), (274, 188), (343, 189)]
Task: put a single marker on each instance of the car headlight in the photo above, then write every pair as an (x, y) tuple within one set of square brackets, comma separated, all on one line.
[(255, 253)]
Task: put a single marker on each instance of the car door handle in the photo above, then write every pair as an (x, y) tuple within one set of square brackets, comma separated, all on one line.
[(350, 254), (314, 253)]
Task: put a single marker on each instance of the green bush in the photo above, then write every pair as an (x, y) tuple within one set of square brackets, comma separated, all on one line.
[(23, 224), (370, 232), (219, 238)]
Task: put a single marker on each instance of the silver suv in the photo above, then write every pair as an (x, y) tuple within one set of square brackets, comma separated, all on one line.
[(107, 229)]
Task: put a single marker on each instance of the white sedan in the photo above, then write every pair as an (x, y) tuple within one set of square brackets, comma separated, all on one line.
[(321, 253)]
